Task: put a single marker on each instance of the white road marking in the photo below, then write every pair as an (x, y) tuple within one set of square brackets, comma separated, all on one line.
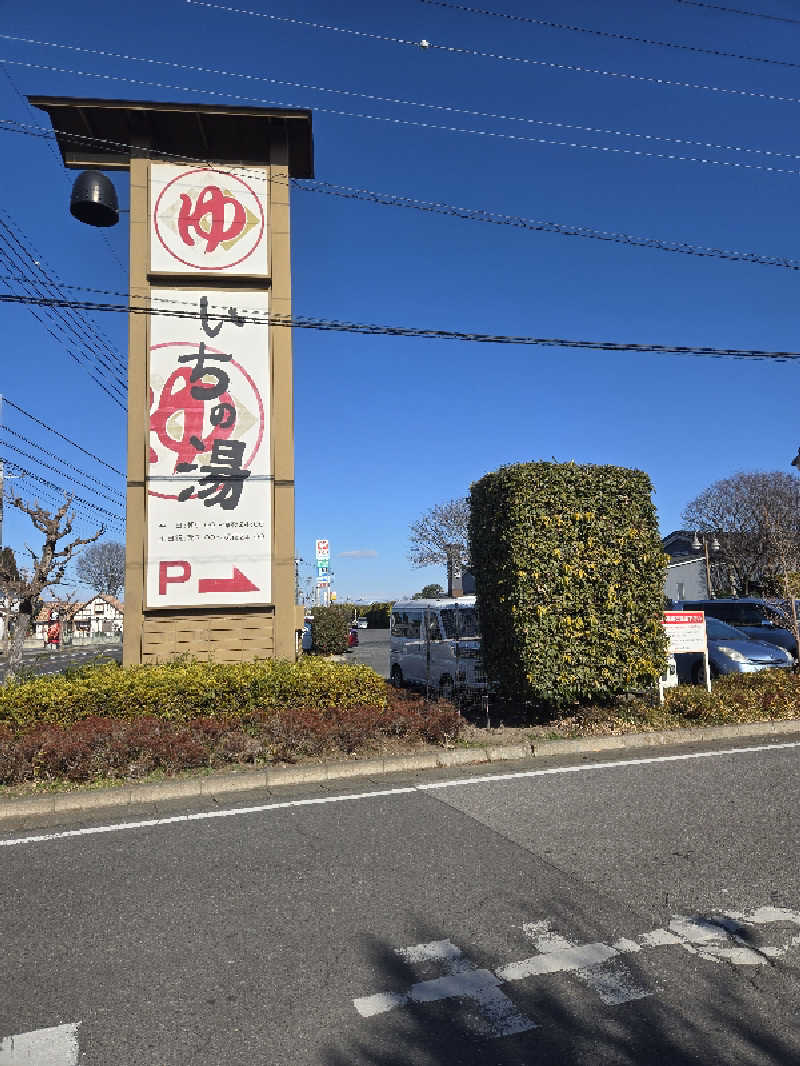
[(518, 775), (42, 1047), (613, 984), (716, 937), (462, 980)]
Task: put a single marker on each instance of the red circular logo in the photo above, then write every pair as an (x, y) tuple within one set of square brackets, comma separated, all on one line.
[(180, 421), (208, 219)]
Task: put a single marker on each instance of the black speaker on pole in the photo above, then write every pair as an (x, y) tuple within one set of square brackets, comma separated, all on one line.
[(94, 199)]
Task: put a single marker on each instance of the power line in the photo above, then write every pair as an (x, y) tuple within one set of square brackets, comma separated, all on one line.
[(29, 108), (419, 124), (67, 440), (58, 459), (77, 339), (474, 52), (37, 274), (372, 329), (55, 470), (60, 338), (609, 34), (399, 101), (467, 214), (58, 488), (739, 11), (75, 359), (39, 491)]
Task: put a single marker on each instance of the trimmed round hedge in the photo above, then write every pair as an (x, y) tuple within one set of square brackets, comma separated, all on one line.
[(569, 573)]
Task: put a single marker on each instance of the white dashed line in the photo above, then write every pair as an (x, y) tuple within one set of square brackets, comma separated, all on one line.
[(519, 775), (42, 1047)]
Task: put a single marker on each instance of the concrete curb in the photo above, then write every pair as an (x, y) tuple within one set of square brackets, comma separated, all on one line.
[(225, 783)]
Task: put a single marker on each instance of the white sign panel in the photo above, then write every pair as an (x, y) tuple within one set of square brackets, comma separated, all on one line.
[(205, 218), (686, 631), (323, 550), (209, 484)]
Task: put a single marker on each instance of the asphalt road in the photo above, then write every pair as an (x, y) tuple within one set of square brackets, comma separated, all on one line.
[(50, 661), (372, 650), (606, 911)]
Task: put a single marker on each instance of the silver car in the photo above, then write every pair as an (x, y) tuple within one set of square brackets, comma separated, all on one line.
[(731, 652)]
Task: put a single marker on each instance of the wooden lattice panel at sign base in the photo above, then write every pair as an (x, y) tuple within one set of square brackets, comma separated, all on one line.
[(217, 637)]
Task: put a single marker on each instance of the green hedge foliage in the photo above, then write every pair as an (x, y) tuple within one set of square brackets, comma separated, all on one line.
[(378, 615), (330, 628), (569, 574), (183, 690)]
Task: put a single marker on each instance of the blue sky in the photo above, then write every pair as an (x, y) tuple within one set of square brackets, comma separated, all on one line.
[(388, 427)]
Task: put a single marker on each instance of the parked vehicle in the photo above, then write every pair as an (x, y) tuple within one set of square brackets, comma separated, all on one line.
[(361, 622), (754, 618), (731, 651), (436, 643)]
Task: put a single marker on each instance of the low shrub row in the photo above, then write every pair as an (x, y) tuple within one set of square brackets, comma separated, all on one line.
[(765, 696), (770, 695), (182, 690), (97, 748)]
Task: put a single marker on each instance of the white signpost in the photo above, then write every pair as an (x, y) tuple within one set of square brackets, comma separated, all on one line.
[(686, 631)]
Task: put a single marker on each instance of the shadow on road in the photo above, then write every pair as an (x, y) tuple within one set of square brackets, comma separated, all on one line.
[(696, 1012)]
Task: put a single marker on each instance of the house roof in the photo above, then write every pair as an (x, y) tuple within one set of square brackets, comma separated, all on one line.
[(678, 534), (65, 609), (112, 600), (697, 561), (118, 605)]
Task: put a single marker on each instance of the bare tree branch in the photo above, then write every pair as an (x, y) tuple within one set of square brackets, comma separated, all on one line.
[(49, 566), (102, 567), (756, 518), (439, 527)]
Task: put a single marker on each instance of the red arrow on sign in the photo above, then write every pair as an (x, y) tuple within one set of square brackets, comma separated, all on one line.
[(237, 583)]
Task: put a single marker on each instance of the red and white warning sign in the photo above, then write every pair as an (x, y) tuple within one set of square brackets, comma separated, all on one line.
[(686, 631)]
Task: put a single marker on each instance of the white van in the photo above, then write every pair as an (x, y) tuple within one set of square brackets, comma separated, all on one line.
[(436, 643)]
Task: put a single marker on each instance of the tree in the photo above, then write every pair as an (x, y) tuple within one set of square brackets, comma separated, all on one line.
[(440, 529), (429, 592), (49, 566), (756, 519), (9, 575), (102, 567)]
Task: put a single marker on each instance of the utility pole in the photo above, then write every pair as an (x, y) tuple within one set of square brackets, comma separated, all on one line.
[(1, 480), (455, 581)]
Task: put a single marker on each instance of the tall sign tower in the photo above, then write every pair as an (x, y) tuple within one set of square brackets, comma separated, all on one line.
[(210, 567)]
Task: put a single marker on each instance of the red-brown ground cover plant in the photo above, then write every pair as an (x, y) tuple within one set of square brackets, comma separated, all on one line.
[(95, 748)]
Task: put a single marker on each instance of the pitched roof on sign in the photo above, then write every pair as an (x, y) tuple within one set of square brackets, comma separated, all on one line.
[(101, 133)]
